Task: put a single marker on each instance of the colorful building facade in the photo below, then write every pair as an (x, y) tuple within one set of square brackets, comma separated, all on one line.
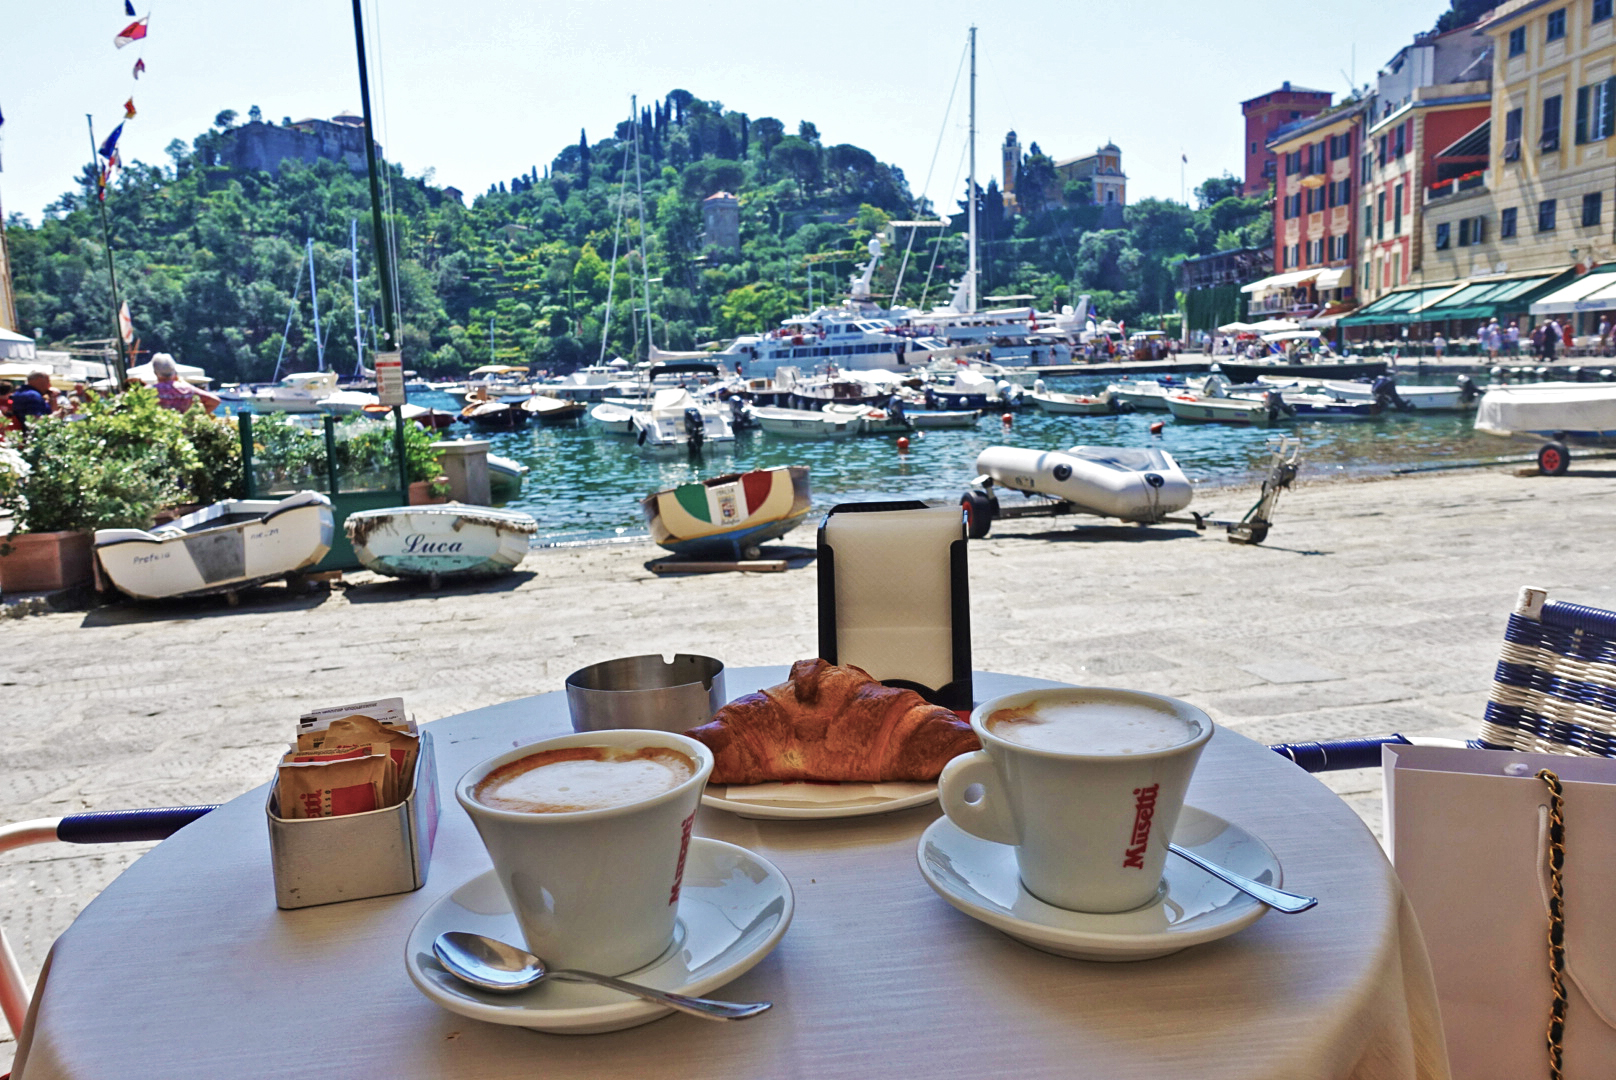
[(1265, 115)]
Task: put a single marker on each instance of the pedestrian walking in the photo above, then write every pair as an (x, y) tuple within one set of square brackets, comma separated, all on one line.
[(1439, 344)]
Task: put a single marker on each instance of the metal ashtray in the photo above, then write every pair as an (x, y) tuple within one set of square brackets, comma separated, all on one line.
[(646, 692)]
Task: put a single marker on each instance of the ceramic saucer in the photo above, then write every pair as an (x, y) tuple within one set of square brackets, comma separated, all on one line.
[(734, 906), (980, 878), (788, 801)]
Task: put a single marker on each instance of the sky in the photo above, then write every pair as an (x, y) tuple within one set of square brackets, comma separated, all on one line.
[(481, 90)]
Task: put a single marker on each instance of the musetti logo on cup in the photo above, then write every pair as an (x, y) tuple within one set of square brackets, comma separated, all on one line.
[(1144, 808)]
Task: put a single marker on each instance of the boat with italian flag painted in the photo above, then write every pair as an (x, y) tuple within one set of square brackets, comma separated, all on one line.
[(730, 516)]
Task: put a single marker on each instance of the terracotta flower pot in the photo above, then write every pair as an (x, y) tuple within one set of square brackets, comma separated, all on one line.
[(45, 562), (421, 492)]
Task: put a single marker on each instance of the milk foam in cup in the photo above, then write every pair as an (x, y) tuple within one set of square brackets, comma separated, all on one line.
[(588, 835), (1085, 783)]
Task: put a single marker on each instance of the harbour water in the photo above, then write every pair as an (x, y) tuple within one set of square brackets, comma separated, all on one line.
[(586, 485)]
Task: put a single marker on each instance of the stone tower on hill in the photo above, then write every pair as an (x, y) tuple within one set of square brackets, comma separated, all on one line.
[(261, 147)]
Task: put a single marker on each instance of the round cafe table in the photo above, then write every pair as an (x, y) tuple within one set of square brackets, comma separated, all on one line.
[(184, 967)]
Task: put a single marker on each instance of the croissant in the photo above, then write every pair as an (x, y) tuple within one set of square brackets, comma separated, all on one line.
[(832, 723)]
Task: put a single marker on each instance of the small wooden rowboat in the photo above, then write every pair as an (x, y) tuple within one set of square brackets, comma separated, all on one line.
[(728, 516), (444, 541), (551, 410), (220, 548)]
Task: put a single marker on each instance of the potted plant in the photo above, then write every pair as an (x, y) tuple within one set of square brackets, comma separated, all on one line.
[(117, 464)]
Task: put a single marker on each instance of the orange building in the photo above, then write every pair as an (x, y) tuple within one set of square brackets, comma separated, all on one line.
[(1267, 114)]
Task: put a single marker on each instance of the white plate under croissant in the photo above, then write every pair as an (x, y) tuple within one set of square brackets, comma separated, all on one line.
[(795, 801)]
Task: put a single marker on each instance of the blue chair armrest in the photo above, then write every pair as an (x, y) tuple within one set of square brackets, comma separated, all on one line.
[(1341, 754), (123, 826)]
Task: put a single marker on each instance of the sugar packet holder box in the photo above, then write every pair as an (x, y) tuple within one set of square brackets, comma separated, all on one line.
[(894, 596), (356, 856)]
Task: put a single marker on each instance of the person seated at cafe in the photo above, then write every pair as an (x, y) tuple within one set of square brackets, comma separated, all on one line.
[(174, 392), (34, 399)]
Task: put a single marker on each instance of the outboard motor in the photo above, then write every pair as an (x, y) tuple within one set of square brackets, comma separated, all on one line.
[(1385, 391), (895, 410), (1499, 374), (695, 429), (1277, 405), (1467, 389), (737, 412)]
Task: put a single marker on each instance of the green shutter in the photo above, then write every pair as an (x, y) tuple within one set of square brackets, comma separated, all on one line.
[(1582, 114), (1607, 110)]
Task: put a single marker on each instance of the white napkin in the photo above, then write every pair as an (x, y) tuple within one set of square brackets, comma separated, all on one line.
[(821, 794)]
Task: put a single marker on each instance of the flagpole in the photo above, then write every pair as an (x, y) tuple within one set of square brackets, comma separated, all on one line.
[(120, 369), (384, 273)]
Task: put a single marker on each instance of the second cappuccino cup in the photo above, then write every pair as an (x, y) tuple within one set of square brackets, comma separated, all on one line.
[(588, 835), (1085, 783)]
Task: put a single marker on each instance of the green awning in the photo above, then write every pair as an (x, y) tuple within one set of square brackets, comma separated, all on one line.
[(1492, 299), (1398, 307)]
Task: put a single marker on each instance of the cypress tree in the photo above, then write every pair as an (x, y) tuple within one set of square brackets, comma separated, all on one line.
[(583, 158)]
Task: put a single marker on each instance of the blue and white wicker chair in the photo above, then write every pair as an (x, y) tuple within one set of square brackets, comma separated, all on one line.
[(107, 827), (1554, 691)]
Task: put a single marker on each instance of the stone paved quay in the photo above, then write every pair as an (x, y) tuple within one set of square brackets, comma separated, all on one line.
[(1375, 606)]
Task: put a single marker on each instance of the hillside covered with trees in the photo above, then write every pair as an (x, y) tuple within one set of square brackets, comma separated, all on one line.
[(208, 255)]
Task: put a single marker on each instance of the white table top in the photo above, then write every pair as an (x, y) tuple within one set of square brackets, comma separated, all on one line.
[(184, 967)]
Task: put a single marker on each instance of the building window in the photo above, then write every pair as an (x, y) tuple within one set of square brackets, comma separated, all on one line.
[(1596, 111), (1601, 10), (1253, 148), (1556, 26), (1442, 236), (1382, 159), (1545, 216), (1506, 223), (1550, 139), (1590, 208), (1338, 248), (1397, 210), (1470, 230), (1400, 140), (1380, 216), (1512, 135), (1315, 251), (1368, 222), (1517, 41)]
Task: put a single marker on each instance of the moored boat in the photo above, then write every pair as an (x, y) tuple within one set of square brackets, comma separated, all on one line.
[(494, 415), (729, 516), (806, 423), (445, 541), (1050, 401), (300, 392), (1345, 369), (221, 548), (614, 419), (1134, 484), (676, 421), (550, 410), (950, 418), (1414, 398), (873, 420), (505, 478), (1226, 410)]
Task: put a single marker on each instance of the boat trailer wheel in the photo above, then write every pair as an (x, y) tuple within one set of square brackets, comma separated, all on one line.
[(1553, 459)]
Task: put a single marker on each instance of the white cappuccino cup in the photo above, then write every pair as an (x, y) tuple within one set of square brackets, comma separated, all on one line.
[(588, 835), (1085, 783)]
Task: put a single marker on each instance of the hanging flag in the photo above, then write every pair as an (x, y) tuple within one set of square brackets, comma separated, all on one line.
[(129, 109), (131, 33), (1185, 158), (140, 66), (101, 183), (110, 146), (129, 8), (126, 325)]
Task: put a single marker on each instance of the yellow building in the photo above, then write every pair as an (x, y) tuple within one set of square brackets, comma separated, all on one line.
[(1544, 204)]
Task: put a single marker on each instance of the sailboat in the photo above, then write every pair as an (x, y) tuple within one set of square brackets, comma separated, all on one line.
[(299, 391)]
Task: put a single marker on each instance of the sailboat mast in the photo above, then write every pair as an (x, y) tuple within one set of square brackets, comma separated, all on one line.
[(645, 262), (970, 281), (384, 273), (358, 334), (314, 298)]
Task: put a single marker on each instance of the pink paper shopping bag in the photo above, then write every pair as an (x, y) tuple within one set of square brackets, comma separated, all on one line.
[(1470, 834)]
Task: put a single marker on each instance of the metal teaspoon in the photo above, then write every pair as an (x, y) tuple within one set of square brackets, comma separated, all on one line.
[(1278, 899), (492, 965)]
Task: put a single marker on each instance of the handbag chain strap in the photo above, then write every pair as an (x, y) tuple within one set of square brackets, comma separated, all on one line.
[(1557, 959)]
